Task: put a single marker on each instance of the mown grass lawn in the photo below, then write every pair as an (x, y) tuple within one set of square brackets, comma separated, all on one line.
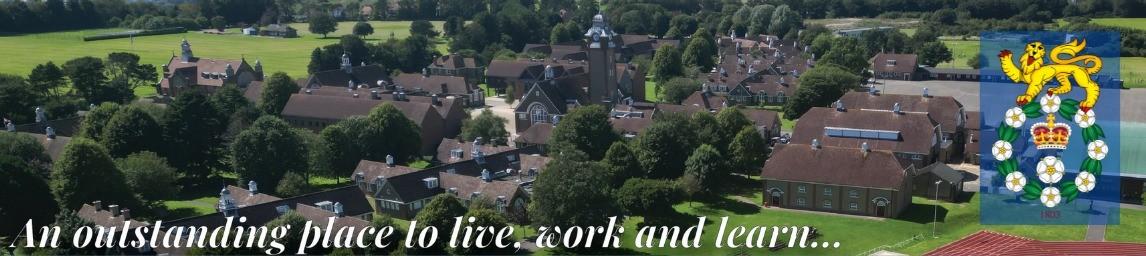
[(1132, 69), (291, 55), (1135, 23), (1131, 227)]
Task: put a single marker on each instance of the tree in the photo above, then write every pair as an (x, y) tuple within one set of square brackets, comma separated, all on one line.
[(423, 27), (663, 147), (440, 213), (453, 25), (219, 23), (748, 151), (278, 89), (678, 89), (382, 221), (292, 185), (267, 151), (193, 130), (565, 32), (741, 19), (490, 219), (86, 173), (706, 128), (700, 51), (731, 121), (389, 132), (509, 95), (131, 130), (88, 79), (933, 53), (24, 194), (569, 193), (94, 122), (363, 29), (149, 176), (847, 53), (667, 63), (584, 129), (315, 64), (708, 167), (976, 62), (295, 223), (761, 19), (650, 198), (18, 100), (784, 20), (126, 73), (819, 86), (488, 126), (48, 79), (622, 164), (355, 47), (322, 23), (338, 149)]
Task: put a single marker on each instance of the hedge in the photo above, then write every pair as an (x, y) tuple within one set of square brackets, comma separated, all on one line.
[(116, 35)]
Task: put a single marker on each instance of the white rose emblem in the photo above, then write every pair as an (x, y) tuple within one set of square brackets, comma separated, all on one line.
[(1015, 117), (1050, 197), (1097, 149), (1084, 119), (1085, 181), (1050, 169), (1015, 181), (1050, 104), (1002, 150)]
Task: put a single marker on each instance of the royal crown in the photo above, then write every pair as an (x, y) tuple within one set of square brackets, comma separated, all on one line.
[(1050, 135)]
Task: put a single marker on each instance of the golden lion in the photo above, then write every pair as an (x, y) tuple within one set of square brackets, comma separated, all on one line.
[(1035, 74)]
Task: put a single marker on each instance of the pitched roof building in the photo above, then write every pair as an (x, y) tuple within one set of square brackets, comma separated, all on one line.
[(913, 136), (896, 66), (315, 112), (454, 65), (944, 109), (348, 76), (188, 72), (833, 179)]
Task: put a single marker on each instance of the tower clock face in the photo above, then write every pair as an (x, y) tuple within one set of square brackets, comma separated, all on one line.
[(596, 37)]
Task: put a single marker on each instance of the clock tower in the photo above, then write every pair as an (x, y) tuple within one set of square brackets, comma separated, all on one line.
[(602, 62)]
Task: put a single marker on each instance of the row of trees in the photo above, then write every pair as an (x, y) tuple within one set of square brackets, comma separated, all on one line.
[(595, 175), (408, 55), (62, 90), (54, 15)]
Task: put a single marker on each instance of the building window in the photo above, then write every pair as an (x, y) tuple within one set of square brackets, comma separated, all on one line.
[(853, 194), (801, 202), (853, 206), (801, 189), (537, 113), (827, 204), (417, 205), (827, 191)]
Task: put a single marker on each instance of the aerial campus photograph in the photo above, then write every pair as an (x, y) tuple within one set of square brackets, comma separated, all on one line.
[(858, 127)]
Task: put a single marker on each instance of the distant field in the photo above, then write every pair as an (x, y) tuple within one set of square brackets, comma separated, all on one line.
[(291, 55), (1136, 23), (961, 51), (1133, 69)]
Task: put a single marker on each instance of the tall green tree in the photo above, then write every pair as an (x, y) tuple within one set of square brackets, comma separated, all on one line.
[(292, 184), (48, 79), (664, 146), (622, 164), (584, 129), (569, 193), (90, 81), (490, 219), (124, 68), (294, 235), (18, 100), (933, 53), (277, 92), (785, 20), (667, 63), (487, 126), (707, 166), (322, 23), (94, 122), (731, 121), (24, 193), (565, 32), (440, 213), (267, 151), (149, 176), (389, 132), (678, 89), (700, 51), (650, 198), (423, 27), (315, 64), (820, 86), (748, 151), (363, 29), (847, 53), (86, 173), (761, 19), (707, 129), (193, 133), (131, 130), (338, 149)]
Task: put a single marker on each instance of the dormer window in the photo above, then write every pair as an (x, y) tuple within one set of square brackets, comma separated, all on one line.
[(511, 158), (890, 63), (457, 153), (430, 182)]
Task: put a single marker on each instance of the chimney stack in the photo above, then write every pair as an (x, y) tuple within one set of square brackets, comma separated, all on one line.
[(126, 214), (390, 160), (114, 209), (11, 127), (338, 209), (925, 94), (865, 148), (435, 100), (374, 95), (815, 144), (253, 187), (98, 205), (895, 108), (485, 175), (839, 106), (50, 132)]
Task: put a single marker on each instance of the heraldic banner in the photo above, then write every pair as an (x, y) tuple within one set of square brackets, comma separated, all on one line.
[(1049, 140)]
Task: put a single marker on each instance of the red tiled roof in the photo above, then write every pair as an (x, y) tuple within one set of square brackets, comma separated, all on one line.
[(991, 243), (835, 165)]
